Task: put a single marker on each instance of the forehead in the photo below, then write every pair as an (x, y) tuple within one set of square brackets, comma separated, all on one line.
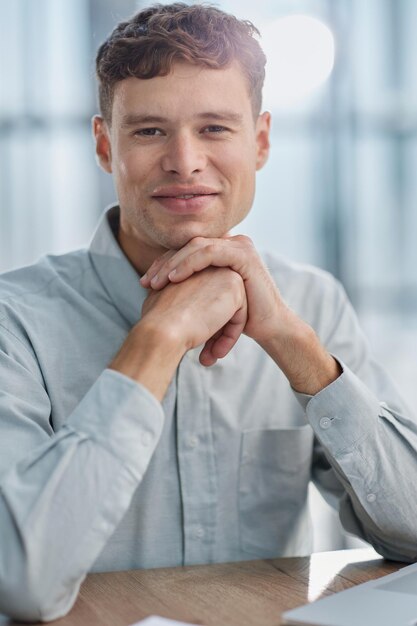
[(186, 91)]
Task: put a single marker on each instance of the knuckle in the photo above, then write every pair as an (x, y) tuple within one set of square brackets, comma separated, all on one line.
[(186, 263), (199, 241), (155, 267), (235, 279), (170, 263), (245, 239)]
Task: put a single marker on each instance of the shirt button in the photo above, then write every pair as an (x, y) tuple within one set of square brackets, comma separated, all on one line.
[(371, 497), (199, 533), (193, 441), (146, 439), (325, 423)]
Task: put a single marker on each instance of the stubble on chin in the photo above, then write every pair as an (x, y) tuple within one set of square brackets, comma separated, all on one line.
[(165, 234), (175, 237)]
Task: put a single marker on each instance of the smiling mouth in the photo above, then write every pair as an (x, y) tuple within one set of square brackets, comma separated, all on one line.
[(188, 196), (186, 203)]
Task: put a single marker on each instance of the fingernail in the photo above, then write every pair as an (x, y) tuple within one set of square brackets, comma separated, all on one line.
[(154, 280), (172, 274)]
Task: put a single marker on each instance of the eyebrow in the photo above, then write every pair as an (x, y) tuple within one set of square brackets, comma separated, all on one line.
[(225, 116)]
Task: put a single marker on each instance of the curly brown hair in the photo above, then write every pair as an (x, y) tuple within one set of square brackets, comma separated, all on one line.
[(150, 42)]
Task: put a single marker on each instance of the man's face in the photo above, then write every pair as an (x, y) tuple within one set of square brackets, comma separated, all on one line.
[(183, 149)]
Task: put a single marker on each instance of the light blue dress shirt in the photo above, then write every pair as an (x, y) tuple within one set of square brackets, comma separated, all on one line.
[(96, 475)]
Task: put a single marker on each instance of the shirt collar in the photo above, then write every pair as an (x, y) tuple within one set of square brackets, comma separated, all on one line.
[(117, 275)]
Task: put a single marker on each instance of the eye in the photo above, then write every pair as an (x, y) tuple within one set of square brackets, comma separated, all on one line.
[(148, 132), (215, 128)]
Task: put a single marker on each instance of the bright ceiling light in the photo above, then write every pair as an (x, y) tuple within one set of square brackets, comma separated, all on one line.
[(300, 53)]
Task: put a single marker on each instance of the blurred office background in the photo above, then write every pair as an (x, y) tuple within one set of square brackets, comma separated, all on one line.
[(340, 190)]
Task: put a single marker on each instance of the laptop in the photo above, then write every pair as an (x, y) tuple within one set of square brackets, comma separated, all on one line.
[(387, 601)]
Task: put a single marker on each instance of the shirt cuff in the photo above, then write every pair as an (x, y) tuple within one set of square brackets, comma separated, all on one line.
[(343, 413), (123, 417)]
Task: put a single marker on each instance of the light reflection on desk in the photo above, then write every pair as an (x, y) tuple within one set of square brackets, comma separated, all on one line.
[(322, 573)]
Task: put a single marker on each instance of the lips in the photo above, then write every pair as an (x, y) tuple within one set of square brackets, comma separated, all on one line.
[(183, 192), (183, 200), (187, 197)]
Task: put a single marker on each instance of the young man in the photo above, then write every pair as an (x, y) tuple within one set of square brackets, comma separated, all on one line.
[(167, 395)]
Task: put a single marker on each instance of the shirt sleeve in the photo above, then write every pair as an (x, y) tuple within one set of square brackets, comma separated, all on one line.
[(63, 493), (366, 453)]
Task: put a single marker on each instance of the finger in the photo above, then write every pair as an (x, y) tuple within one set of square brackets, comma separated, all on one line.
[(153, 270), (198, 254), (231, 333), (212, 255), (218, 346), (234, 252), (157, 275), (206, 357)]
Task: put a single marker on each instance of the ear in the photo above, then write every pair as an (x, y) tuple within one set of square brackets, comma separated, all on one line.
[(101, 134), (263, 127)]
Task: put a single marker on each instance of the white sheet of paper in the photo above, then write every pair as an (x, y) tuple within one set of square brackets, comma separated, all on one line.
[(154, 620)]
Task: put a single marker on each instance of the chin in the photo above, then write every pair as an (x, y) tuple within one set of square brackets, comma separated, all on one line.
[(176, 240)]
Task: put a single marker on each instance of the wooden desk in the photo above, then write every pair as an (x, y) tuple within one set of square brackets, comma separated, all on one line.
[(250, 593)]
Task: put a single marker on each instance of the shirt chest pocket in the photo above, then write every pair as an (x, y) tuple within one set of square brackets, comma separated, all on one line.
[(274, 474)]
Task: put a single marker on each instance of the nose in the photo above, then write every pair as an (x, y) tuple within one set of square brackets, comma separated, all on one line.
[(184, 155)]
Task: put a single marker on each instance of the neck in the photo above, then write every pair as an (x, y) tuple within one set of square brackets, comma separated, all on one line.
[(140, 254)]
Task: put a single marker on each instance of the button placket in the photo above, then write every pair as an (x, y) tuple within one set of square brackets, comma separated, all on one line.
[(196, 463)]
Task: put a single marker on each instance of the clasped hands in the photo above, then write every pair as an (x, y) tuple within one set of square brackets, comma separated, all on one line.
[(213, 290), (216, 289)]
